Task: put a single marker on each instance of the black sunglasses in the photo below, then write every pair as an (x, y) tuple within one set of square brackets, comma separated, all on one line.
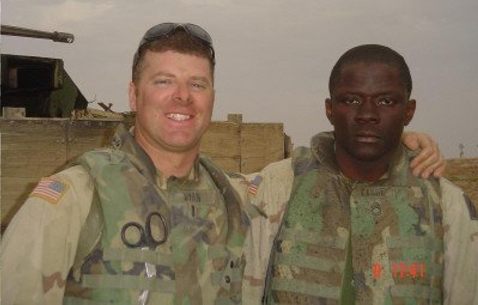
[(165, 29)]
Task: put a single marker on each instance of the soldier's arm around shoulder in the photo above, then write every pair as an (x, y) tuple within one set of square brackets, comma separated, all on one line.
[(39, 245), (269, 189), (460, 221), (264, 196), (266, 191)]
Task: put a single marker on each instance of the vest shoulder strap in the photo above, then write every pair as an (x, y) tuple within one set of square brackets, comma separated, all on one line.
[(220, 179), (92, 228), (235, 213), (90, 233)]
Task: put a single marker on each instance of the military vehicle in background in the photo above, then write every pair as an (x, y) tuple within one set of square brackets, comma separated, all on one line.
[(58, 126), (50, 136), (40, 85)]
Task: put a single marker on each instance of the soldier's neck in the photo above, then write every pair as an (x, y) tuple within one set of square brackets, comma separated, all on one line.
[(174, 164), (169, 162), (367, 171)]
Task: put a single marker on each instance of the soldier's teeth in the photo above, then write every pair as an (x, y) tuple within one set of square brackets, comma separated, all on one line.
[(178, 117)]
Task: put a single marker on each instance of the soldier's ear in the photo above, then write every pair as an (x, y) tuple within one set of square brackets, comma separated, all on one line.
[(329, 111), (132, 96), (410, 111)]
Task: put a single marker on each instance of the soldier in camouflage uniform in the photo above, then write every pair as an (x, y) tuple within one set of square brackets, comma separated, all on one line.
[(359, 228), (68, 244), (83, 236)]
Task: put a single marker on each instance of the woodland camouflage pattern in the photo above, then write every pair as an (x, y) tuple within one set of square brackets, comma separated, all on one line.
[(393, 221), (201, 262), (459, 226), (40, 244)]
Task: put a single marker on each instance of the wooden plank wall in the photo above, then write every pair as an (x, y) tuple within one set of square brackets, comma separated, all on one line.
[(261, 144), (464, 173), (32, 148), (222, 144), (87, 135)]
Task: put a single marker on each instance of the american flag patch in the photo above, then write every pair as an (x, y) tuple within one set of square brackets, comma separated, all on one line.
[(49, 189), (253, 187)]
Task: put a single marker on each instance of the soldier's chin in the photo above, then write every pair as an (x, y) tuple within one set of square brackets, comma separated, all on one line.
[(367, 155)]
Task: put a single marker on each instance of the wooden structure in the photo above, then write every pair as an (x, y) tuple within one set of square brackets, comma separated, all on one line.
[(32, 148), (464, 173)]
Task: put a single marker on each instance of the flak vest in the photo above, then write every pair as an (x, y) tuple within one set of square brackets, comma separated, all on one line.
[(345, 242), (201, 261)]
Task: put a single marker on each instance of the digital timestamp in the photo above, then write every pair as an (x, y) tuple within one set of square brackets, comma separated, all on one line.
[(401, 270)]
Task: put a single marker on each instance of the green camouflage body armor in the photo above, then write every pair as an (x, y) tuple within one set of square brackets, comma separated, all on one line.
[(201, 261), (348, 242)]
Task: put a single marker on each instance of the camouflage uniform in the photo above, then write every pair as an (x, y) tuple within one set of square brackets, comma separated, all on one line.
[(66, 239), (395, 254), (268, 193)]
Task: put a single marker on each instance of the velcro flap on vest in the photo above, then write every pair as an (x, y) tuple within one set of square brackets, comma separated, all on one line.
[(138, 255), (302, 287), (310, 262), (414, 242), (312, 237), (423, 292), (130, 282), (68, 300)]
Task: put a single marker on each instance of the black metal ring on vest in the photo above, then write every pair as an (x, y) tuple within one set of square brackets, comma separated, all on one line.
[(146, 238), (141, 234), (150, 233)]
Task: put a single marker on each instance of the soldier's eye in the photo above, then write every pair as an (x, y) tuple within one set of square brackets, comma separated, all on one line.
[(351, 101), (385, 101)]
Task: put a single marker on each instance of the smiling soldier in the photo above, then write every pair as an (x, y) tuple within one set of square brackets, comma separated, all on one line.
[(149, 220)]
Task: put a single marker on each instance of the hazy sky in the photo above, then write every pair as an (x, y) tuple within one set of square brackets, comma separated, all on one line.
[(274, 56)]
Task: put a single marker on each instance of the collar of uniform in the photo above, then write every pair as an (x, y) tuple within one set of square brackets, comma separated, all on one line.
[(192, 177), (400, 164), (123, 140), (323, 148)]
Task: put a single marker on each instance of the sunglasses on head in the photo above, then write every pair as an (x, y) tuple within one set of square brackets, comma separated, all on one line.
[(165, 29)]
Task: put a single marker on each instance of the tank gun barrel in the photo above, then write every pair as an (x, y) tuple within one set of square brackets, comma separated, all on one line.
[(24, 32)]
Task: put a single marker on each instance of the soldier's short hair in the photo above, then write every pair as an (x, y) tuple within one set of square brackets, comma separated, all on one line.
[(179, 41), (371, 53)]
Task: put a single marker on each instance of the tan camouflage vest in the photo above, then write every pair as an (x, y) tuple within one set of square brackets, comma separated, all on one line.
[(393, 255), (201, 261)]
